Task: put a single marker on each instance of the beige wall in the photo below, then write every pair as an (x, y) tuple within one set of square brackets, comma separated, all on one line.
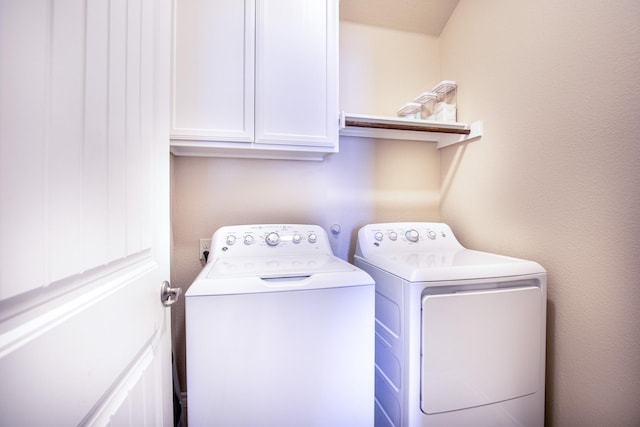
[(383, 69), (368, 181), (556, 178)]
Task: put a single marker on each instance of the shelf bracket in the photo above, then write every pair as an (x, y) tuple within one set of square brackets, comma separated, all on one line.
[(476, 129)]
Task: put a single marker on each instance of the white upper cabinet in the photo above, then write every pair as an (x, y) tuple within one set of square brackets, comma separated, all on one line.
[(213, 70), (296, 72), (257, 78)]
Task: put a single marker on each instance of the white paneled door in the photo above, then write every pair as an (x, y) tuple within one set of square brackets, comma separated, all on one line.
[(84, 218)]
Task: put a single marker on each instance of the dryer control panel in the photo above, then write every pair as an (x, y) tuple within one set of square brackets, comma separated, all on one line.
[(405, 236), (268, 240)]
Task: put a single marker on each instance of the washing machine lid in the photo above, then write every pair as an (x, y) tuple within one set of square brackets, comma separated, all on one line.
[(451, 265), (277, 267), (241, 275)]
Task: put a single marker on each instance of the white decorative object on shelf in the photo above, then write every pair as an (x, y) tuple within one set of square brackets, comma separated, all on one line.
[(410, 110), (428, 102), (446, 105)]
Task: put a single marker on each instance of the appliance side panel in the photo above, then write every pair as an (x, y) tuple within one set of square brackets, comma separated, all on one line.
[(390, 347)]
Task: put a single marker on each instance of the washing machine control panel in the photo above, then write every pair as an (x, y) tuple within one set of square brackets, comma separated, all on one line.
[(269, 239), (405, 236)]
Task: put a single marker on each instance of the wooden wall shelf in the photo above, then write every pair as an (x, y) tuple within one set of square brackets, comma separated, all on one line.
[(444, 134)]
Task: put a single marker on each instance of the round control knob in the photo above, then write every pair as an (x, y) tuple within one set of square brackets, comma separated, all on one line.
[(296, 238), (231, 240), (272, 239), (248, 239), (412, 235), (431, 234), (312, 238), (378, 236), (393, 236)]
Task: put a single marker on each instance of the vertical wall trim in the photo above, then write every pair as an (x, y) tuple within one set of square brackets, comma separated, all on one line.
[(46, 244), (83, 145)]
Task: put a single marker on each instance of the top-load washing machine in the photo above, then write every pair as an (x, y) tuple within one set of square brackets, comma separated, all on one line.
[(279, 332), (460, 334)]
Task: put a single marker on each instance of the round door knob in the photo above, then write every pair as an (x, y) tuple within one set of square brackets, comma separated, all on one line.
[(272, 239), (169, 295), (412, 235)]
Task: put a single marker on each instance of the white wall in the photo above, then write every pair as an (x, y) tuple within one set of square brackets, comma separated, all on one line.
[(555, 178), (368, 181)]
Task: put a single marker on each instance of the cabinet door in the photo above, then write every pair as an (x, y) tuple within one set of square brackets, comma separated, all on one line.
[(213, 70), (297, 72)]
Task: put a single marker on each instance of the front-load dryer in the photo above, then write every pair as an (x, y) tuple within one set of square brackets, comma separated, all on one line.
[(460, 334), (279, 332)]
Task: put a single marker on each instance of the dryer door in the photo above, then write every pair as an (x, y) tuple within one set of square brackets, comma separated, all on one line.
[(480, 347)]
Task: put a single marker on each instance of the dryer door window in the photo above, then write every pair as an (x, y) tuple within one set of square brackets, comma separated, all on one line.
[(479, 347)]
